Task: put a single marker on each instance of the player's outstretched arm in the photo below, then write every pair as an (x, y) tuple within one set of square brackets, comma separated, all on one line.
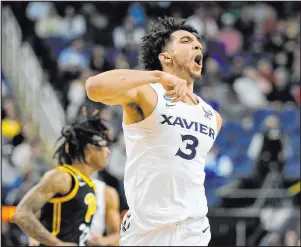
[(118, 86), (121, 86), (54, 181)]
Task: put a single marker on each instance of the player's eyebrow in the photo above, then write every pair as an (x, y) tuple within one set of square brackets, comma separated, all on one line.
[(186, 37)]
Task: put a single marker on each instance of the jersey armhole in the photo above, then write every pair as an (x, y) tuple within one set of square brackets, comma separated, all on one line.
[(73, 191)]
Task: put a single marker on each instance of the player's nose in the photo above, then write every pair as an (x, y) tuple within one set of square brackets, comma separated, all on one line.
[(197, 46)]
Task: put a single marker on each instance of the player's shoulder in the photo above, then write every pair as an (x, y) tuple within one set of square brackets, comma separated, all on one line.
[(111, 196), (56, 179), (56, 175)]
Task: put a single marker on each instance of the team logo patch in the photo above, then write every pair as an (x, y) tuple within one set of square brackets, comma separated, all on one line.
[(208, 113)]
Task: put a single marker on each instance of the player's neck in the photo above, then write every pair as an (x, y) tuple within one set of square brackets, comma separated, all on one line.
[(183, 75), (84, 169)]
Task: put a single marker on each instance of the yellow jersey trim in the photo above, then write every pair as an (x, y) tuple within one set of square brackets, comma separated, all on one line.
[(56, 220), (84, 177), (70, 195)]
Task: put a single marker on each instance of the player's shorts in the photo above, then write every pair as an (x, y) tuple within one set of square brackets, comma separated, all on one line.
[(193, 232)]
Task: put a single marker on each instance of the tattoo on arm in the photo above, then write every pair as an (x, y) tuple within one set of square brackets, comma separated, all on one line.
[(53, 182)]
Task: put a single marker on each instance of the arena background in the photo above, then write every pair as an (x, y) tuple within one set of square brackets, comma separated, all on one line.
[(251, 76)]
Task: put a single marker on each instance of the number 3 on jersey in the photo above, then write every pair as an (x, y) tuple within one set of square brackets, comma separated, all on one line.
[(191, 147)]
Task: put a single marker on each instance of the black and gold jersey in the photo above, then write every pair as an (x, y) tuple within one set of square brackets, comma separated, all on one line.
[(69, 217)]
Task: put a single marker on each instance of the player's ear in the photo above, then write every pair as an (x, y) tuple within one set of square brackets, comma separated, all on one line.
[(164, 58), (87, 151)]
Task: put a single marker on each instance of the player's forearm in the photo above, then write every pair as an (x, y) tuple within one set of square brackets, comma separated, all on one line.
[(114, 82), (112, 239), (31, 226)]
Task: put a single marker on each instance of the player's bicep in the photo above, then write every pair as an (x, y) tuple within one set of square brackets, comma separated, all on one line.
[(219, 121), (112, 214), (122, 98), (52, 182)]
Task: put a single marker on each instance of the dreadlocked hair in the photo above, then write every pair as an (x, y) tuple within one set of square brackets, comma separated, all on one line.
[(155, 41), (75, 138)]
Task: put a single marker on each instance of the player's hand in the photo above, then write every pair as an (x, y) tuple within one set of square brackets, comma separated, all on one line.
[(67, 244), (177, 88), (96, 241)]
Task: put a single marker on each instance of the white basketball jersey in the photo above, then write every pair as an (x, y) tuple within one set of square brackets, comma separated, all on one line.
[(166, 154), (98, 223)]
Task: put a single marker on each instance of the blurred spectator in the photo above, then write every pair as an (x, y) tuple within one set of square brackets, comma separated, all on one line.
[(26, 133), (99, 31), (23, 155), (236, 69), (211, 76), (98, 62), (281, 60), (74, 58), (209, 97), (76, 95), (38, 10), (265, 73), (249, 90), (275, 41), (218, 163), (26, 166), (270, 23), (271, 239), (10, 124), (267, 149), (128, 35), (290, 238), (261, 11), (231, 37), (281, 89), (245, 24), (73, 24), (203, 22), (50, 25), (136, 12), (257, 43), (121, 62)]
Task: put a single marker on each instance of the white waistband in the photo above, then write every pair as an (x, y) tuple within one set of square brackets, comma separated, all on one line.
[(174, 225)]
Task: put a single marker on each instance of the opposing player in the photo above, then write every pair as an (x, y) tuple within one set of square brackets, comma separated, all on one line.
[(65, 196), (106, 218), (168, 132)]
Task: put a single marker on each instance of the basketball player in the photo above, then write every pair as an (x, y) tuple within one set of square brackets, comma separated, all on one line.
[(168, 132), (65, 196), (106, 217)]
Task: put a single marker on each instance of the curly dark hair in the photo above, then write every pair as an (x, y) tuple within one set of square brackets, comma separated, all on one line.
[(154, 42)]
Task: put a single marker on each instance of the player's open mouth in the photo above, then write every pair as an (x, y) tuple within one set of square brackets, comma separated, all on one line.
[(198, 60)]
